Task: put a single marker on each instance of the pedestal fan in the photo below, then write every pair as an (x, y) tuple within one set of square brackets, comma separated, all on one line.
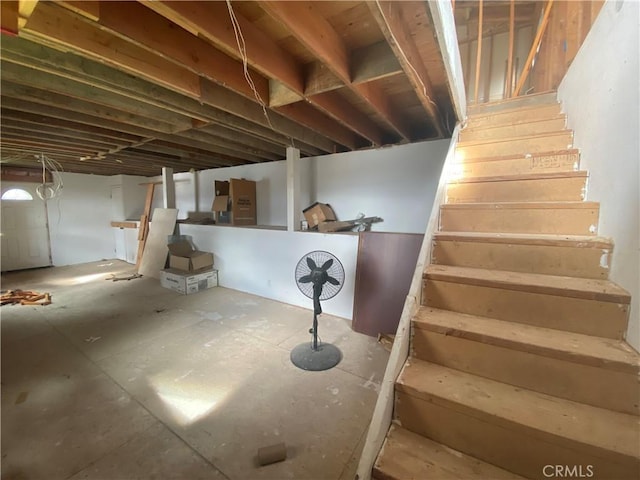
[(319, 276)]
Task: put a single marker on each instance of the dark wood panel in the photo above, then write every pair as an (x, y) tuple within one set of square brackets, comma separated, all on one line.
[(385, 266)]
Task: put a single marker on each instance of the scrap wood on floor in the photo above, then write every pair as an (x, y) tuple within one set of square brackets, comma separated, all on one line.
[(115, 278), (25, 297)]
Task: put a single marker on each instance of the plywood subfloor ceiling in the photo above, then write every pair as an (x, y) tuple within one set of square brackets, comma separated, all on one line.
[(129, 87)]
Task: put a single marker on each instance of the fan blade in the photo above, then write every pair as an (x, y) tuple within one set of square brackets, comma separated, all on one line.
[(305, 279), (326, 265), (333, 281), (311, 263)]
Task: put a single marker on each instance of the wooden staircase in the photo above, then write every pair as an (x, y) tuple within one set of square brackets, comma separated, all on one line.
[(518, 364)]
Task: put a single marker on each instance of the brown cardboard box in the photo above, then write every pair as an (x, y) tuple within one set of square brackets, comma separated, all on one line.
[(318, 213), (182, 256), (235, 202)]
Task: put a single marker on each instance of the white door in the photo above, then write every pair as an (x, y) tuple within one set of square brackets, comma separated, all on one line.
[(24, 229)]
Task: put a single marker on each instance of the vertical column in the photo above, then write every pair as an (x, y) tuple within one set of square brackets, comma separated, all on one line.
[(168, 188), (293, 189), (196, 189)]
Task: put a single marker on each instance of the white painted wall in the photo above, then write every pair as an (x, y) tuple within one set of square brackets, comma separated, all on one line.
[(79, 220), (600, 94), (262, 262), (133, 195), (397, 184)]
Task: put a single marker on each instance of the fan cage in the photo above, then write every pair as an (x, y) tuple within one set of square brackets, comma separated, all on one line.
[(336, 271)]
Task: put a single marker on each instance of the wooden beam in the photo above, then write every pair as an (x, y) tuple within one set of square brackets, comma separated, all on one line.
[(534, 48), (390, 19), (218, 97), (319, 37), (36, 108), (300, 112), (159, 36), (88, 9), (212, 21), (509, 87), (25, 9), (333, 102), (24, 121), (478, 54), (80, 91), (44, 97), (373, 63), (69, 65), (53, 23), (9, 17), (280, 94)]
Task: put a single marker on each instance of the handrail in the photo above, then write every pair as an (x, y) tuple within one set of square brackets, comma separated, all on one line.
[(383, 411)]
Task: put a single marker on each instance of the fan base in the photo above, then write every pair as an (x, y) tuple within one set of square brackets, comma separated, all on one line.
[(325, 357)]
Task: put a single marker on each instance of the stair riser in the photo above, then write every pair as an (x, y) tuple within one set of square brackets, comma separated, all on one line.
[(564, 162), (513, 117), (525, 101), (509, 445), (591, 317), (500, 132), (616, 390), (569, 189), (569, 221), (546, 259), (547, 143)]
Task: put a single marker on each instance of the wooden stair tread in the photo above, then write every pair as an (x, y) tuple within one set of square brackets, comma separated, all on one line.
[(573, 347), (406, 455), (581, 241), (516, 103), (566, 151), (584, 288), (543, 416), (523, 205), (522, 176), (467, 127), (472, 143)]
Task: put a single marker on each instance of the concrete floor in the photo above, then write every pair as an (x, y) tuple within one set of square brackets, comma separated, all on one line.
[(120, 380)]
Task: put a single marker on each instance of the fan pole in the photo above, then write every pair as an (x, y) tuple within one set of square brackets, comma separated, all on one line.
[(315, 331)]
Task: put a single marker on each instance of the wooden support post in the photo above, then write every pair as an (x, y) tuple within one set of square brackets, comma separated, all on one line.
[(194, 183), (293, 189), (168, 188), (512, 15), (534, 48), (487, 84), (144, 223), (479, 52)]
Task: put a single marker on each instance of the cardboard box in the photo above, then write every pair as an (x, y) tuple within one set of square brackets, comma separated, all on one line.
[(235, 202), (318, 213), (188, 283), (182, 256)]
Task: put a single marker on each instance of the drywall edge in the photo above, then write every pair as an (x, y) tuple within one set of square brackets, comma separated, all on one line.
[(383, 411)]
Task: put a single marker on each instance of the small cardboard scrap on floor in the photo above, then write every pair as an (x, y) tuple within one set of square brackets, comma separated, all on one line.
[(25, 297)]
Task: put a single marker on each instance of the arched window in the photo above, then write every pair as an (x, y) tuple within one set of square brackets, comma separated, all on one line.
[(16, 194)]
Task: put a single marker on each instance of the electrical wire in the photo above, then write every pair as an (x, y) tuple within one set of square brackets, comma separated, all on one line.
[(242, 48)]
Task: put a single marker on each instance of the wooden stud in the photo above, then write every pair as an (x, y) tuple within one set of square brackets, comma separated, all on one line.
[(479, 52), (509, 87), (534, 48)]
